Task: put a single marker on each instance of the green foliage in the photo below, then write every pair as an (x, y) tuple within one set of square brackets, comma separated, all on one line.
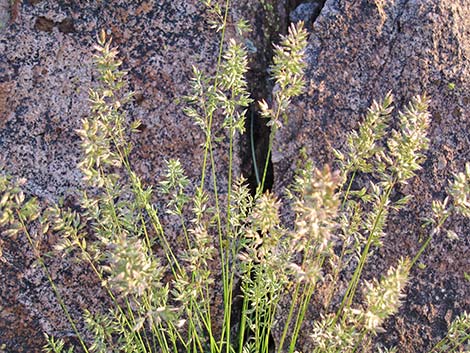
[(55, 346), (165, 303), (458, 335), (288, 74)]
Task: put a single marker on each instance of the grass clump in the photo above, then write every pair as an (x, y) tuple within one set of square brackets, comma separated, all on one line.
[(162, 301)]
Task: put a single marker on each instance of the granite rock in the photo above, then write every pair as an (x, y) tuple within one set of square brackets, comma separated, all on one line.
[(4, 13), (357, 52), (305, 12), (46, 70)]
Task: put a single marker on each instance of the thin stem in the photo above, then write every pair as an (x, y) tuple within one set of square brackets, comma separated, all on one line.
[(106, 286), (348, 190), (271, 317), (252, 144), (351, 290), (421, 250), (270, 145), (295, 297), (428, 240), (268, 157), (338, 268), (242, 325), (209, 152), (52, 283), (216, 82), (306, 297)]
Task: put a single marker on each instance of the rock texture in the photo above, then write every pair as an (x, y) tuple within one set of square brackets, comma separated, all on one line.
[(306, 12), (4, 13), (358, 51), (45, 72)]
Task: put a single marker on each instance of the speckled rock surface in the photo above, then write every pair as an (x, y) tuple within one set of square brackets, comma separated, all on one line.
[(4, 13), (305, 12), (358, 51), (45, 72)]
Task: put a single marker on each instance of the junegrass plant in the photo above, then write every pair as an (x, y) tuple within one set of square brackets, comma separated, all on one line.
[(162, 301)]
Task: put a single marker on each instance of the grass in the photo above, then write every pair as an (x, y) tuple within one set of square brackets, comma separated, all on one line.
[(165, 303)]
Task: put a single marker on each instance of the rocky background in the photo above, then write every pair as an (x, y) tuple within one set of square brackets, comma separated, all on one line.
[(46, 70), (358, 50)]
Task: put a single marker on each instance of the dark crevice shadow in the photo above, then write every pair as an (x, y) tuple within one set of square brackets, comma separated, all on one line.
[(254, 144)]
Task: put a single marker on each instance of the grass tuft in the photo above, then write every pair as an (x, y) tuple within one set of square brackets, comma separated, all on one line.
[(164, 303)]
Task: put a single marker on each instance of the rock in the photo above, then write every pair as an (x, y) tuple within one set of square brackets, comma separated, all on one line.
[(305, 12), (4, 13), (45, 72), (357, 52)]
